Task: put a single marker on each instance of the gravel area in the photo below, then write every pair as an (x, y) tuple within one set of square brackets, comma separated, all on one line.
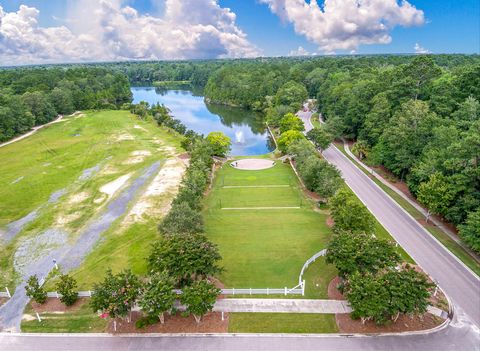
[(252, 164)]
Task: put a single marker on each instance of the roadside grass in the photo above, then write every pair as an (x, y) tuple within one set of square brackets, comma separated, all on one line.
[(448, 242), (281, 323), (82, 320), (262, 248), (105, 139)]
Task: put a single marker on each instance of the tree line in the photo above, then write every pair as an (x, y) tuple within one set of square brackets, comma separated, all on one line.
[(35, 96)]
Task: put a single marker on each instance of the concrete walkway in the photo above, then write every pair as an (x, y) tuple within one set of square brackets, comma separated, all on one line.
[(282, 306)]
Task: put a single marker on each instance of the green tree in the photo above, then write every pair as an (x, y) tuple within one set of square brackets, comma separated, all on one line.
[(376, 120), (291, 122), (368, 298), (181, 219), (320, 137), (35, 291), (62, 100), (335, 127), (408, 292), (185, 257), (38, 104), (470, 230), (220, 143), (349, 214), (361, 149), (287, 138), (291, 94), (363, 253), (116, 295), (402, 143), (158, 296), (67, 287), (199, 298), (436, 194)]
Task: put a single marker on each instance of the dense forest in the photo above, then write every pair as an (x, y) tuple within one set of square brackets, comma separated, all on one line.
[(34, 96), (418, 116)]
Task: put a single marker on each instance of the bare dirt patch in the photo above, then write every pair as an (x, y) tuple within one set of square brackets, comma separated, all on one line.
[(78, 198), (403, 324), (136, 126), (54, 305), (333, 292), (68, 218), (124, 136), (166, 182), (210, 323), (330, 222), (113, 186)]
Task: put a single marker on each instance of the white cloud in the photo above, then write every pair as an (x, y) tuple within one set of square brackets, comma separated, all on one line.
[(420, 50), (346, 24), (299, 52), (108, 30)]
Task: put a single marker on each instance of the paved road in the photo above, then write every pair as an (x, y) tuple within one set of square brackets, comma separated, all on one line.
[(454, 337), (462, 285)]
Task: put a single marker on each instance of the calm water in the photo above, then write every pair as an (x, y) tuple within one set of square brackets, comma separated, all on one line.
[(245, 128)]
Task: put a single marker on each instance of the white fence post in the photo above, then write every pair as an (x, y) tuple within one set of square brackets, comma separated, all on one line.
[(38, 317), (250, 291), (233, 291), (267, 292), (303, 288), (285, 291), (8, 292), (56, 293)]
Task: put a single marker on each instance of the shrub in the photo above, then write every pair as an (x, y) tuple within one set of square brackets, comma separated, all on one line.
[(67, 287), (35, 291)]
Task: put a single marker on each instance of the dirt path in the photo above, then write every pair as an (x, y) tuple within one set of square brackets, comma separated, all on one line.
[(33, 131)]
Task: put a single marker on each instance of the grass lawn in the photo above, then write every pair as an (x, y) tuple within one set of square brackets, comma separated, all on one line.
[(450, 244), (55, 158), (262, 248), (82, 320), (281, 323)]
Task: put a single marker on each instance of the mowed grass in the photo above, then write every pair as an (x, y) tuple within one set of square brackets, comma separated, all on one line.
[(281, 323), (54, 158), (82, 320), (262, 248)]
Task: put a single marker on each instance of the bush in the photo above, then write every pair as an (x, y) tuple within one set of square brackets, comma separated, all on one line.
[(181, 219), (67, 288), (35, 291), (145, 321)]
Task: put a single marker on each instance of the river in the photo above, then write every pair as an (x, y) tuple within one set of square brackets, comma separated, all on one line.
[(245, 128)]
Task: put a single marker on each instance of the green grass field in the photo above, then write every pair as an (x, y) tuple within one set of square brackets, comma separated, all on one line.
[(54, 158), (262, 248), (281, 323)]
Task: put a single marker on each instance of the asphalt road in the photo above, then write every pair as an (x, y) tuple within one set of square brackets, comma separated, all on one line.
[(461, 284), (454, 337)]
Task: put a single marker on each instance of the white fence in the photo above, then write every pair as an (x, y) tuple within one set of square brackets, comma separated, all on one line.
[(297, 290), (308, 263)]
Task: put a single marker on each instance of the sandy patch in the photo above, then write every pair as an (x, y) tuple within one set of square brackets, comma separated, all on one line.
[(165, 182), (113, 186), (78, 198), (100, 199), (80, 115), (136, 126), (141, 153), (137, 157), (28, 317), (65, 219), (123, 137)]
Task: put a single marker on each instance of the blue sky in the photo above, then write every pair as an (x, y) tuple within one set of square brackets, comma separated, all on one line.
[(258, 27)]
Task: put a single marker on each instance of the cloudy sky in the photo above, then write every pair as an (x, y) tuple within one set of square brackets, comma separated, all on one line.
[(46, 31)]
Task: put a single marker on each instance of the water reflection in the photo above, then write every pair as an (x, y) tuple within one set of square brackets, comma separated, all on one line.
[(245, 128)]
